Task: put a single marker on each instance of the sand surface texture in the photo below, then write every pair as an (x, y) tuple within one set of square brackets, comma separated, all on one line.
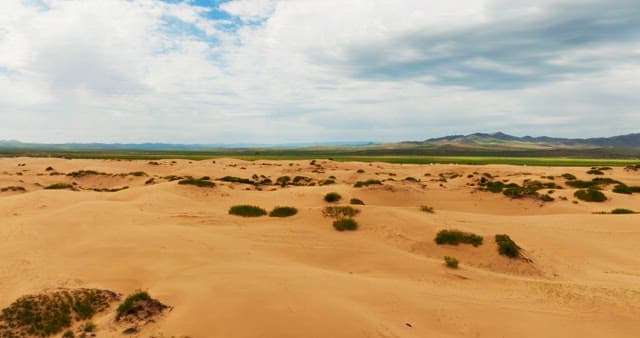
[(229, 276)]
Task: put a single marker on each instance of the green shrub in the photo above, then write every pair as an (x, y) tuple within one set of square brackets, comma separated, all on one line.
[(283, 181), (332, 197), (411, 179), (345, 224), (13, 188), (590, 195), (595, 172), (130, 301), (59, 186), (507, 247), (89, 327), (356, 201), (546, 198), (569, 177), (247, 211), (49, 314), (625, 189), (367, 183), (340, 211), (199, 182), (327, 182), (451, 262), (455, 237), (620, 211), (234, 179), (82, 173), (428, 209), (283, 212)]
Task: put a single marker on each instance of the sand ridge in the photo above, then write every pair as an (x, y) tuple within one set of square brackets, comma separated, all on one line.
[(227, 276)]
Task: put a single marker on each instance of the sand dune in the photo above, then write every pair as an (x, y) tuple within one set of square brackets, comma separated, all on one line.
[(228, 276)]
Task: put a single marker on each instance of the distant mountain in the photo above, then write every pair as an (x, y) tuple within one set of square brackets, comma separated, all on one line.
[(501, 140)]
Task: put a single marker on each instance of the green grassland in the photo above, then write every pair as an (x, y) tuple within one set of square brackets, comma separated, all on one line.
[(340, 154)]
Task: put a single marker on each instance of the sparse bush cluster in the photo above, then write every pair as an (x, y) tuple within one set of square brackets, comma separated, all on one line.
[(367, 183), (59, 186), (49, 314), (528, 189), (13, 188), (455, 237), (203, 182), (340, 212)]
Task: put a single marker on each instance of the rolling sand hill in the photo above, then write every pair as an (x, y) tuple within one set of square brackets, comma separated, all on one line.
[(229, 276)]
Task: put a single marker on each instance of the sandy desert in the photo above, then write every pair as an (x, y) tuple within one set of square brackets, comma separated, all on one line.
[(228, 276)]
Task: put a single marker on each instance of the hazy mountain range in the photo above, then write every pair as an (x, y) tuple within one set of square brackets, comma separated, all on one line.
[(493, 144)]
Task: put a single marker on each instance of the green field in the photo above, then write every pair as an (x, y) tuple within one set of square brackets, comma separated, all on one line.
[(252, 155)]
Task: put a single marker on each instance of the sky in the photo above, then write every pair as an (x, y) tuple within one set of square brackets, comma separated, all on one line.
[(287, 71)]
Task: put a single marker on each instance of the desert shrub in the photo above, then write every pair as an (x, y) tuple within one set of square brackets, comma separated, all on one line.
[(620, 211), (340, 211), (427, 208), (301, 180), (150, 181), (13, 188), (411, 179), (59, 186), (110, 189), (137, 173), (451, 262), (130, 301), (367, 183), (199, 182), (356, 201), (247, 211), (595, 172), (625, 189), (507, 247), (345, 224), (332, 197), (49, 168), (360, 171), (172, 178), (283, 212), (234, 179), (590, 195), (455, 237), (89, 327), (49, 314), (327, 182), (569, 177), (283, 181), (82, 173), (546, 198), (139, 306), (68, 334)]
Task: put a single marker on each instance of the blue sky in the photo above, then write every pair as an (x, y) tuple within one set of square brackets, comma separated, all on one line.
[(282, 71)]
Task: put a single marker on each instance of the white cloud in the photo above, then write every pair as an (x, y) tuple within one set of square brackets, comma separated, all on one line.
[(309, 70)]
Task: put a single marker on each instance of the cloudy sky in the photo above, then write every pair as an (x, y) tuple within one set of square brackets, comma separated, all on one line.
[(282, 71)]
